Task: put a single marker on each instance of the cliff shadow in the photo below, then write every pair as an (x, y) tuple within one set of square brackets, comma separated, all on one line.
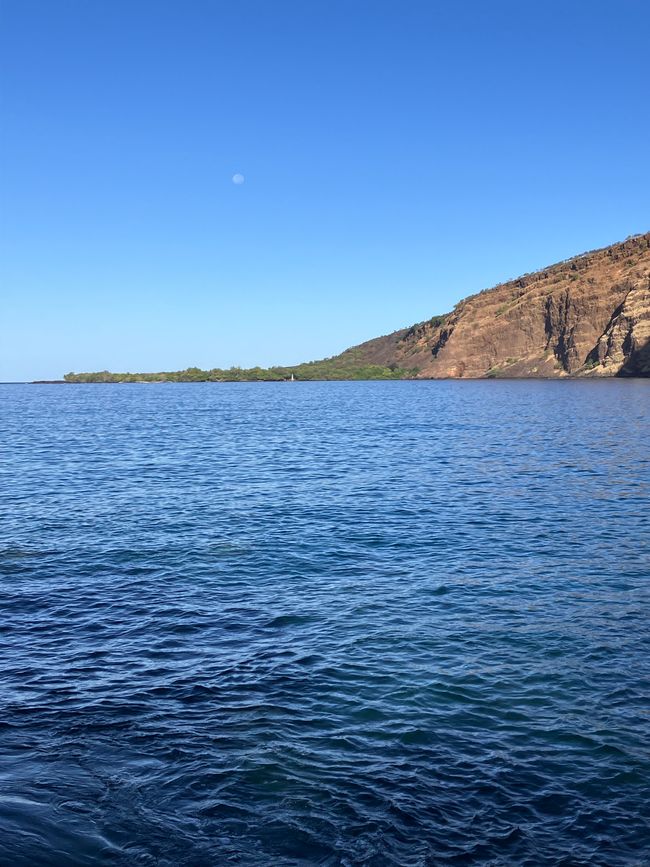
[(638, 362)]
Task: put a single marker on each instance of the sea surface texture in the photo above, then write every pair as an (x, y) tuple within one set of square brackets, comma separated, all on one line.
[(398, 623)]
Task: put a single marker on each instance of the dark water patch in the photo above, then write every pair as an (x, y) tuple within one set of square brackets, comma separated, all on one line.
[(285, 620)]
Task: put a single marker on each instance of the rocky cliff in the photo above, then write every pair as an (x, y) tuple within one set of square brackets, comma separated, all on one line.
[(587, 316)]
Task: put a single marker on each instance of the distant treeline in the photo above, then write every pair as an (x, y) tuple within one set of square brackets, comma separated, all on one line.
[(328, 369)]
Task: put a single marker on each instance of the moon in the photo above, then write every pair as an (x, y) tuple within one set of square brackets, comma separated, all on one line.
[(238, 179)]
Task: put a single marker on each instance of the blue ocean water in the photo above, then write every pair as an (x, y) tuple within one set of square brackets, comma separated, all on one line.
[(390, 623)]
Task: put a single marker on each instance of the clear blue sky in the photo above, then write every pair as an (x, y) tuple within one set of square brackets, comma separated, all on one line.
[(397, 156)]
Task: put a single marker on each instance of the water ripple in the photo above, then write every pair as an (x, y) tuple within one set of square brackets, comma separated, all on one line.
[(330, 623)]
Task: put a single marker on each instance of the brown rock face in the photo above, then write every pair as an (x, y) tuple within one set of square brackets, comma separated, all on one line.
[(588, 316), (625, 345)]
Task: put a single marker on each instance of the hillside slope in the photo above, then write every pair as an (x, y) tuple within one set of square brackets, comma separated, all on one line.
[(589, 315)]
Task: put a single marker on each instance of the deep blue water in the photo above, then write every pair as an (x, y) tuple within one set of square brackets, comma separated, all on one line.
[(400, 623)]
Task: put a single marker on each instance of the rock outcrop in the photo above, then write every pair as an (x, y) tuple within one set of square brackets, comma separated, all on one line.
[(587, 316)]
